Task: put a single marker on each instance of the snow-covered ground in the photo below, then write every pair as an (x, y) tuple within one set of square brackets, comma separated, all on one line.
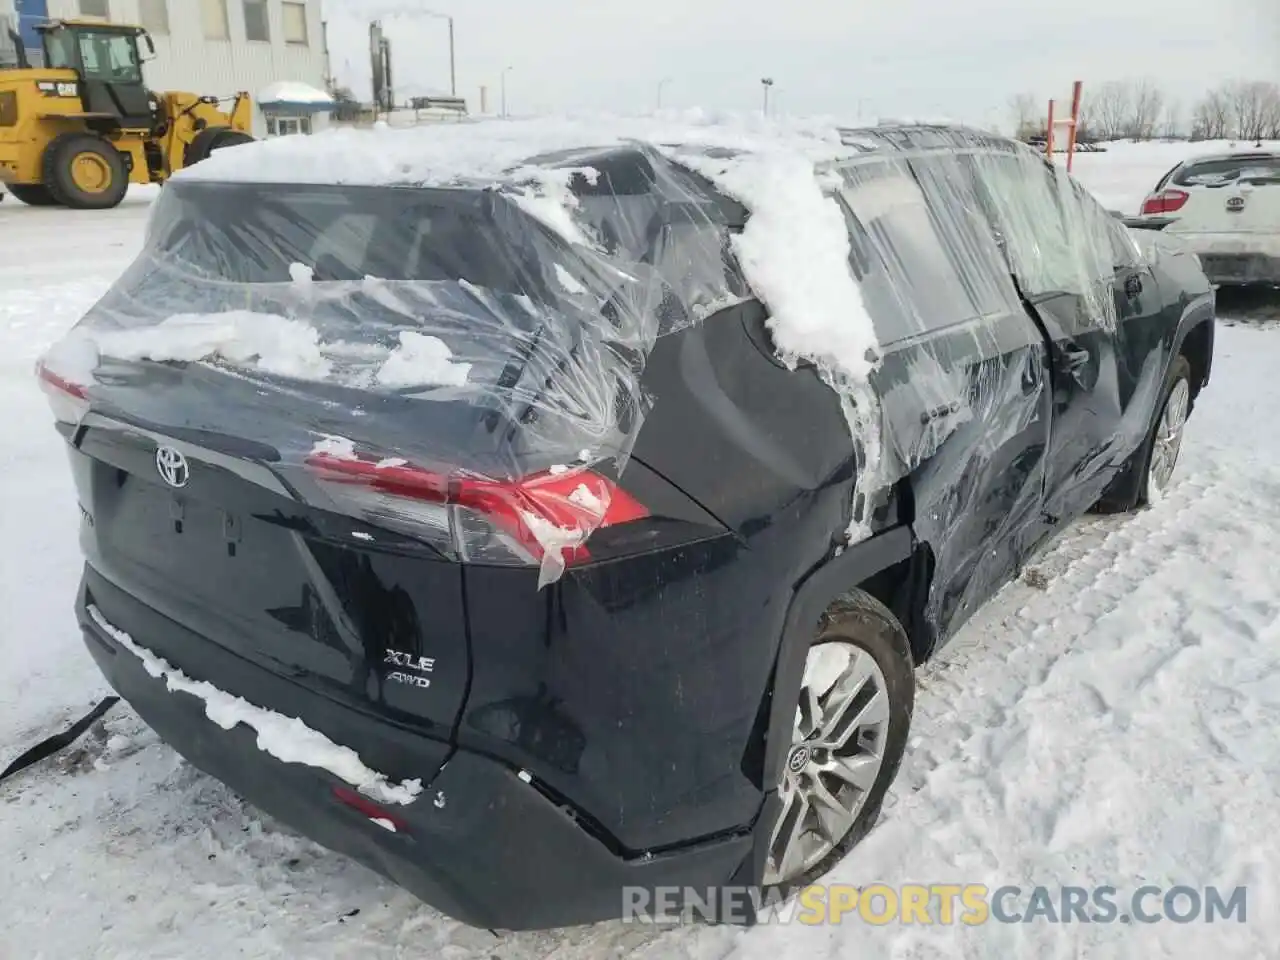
[(1109, 721)]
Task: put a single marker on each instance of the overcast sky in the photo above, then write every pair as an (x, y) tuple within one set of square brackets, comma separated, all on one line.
[(960, 59)]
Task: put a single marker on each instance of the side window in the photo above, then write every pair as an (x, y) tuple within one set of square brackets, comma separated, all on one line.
[(1109, 234), (1024, 205), (61, 51), (909, 278), (1055, 243), (1124, 248)]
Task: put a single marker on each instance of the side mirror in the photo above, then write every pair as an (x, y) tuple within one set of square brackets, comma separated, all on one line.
[(151, 45)]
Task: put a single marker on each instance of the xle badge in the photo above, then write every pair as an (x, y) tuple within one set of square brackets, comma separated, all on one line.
[(413, 666)]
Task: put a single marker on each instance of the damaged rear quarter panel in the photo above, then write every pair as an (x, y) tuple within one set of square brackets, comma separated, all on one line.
[(638, 688)]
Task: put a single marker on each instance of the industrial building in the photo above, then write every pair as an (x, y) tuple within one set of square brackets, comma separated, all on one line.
[(217, 47)]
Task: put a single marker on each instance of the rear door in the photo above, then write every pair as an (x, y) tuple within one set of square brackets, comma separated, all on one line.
[(206, 534), (963, 383)]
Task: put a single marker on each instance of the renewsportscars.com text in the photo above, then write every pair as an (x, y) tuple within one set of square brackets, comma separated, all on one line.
[(938, 903)]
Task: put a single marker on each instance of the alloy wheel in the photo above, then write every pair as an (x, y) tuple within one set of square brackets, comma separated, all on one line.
[(1168, 438), (837, 750)]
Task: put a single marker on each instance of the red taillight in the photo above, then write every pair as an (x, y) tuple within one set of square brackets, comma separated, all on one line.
[(379, 815), (531, 516), (1166, 201), (69, 400)]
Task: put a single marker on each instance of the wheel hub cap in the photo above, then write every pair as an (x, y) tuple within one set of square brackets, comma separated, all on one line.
[(841, 728), (1168, 439), (798, 760), (90, 173)]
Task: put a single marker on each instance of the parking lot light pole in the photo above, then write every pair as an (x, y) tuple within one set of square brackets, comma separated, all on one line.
[(505, 71), (766, 83)]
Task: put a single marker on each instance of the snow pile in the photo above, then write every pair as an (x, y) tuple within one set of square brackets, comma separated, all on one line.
[(501, 151), (422, 360), (262, 341), (271, 343), (292, 92), (287, 739), (794, 252), (340, 448)]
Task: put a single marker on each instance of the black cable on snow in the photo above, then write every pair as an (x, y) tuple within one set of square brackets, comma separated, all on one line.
[(51, 745)]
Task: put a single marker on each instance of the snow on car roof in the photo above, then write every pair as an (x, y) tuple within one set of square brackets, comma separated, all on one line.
[(438, 155)]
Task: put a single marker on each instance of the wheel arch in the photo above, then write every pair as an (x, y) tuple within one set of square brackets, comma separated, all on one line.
[(1196, 344), (885, 566)]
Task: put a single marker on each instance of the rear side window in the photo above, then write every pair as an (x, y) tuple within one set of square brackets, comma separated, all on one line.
[(911, 281), (1220, 173), (966, 232)]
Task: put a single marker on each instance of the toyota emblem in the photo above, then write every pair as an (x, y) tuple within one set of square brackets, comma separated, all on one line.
[(172, 467)]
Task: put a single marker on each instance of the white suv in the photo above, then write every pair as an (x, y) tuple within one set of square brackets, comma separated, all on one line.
[(1225, 207)]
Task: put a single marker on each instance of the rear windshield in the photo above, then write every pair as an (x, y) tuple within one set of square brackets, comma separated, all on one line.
[(253, 233), (339, 283), (1218, 173)]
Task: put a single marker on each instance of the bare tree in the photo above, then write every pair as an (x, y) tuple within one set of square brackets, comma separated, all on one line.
[(1257, 110), (1146, 107), (1025, 116), (1273, 114), (1250, 108), (1171, 125), (1111, 110), (1086, 129), (1213, 116)]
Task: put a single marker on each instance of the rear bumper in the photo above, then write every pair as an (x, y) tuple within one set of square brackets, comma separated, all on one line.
[(1226, 269), (480, 843), (1236, 258)]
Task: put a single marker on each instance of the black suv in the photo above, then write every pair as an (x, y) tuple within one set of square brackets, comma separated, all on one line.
[(574, 579)]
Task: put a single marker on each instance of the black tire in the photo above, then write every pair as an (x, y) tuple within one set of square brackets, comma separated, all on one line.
[(860, 619), (32, 194), (59, 165), (1128, 491), (211, 139)]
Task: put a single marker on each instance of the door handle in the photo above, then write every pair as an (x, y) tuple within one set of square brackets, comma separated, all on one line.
[(1133, 285), (1073, 359)]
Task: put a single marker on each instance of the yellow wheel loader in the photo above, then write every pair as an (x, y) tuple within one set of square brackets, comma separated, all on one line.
[(80, 129)]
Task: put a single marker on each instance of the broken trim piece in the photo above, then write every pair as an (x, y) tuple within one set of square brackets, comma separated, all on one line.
[(287, 739)]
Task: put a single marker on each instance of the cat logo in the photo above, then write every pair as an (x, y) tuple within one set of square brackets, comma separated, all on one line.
[(51, 88)]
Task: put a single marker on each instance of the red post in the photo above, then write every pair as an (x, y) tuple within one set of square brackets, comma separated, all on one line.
[(1077, 92), (1048, 139)]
